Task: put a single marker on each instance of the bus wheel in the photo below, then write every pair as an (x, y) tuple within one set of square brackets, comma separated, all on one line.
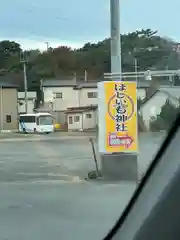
[(24, 130), (35, 130)]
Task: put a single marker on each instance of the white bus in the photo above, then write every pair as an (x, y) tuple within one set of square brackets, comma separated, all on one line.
[(36, 123)]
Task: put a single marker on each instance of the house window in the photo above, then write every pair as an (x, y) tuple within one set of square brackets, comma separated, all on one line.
[(8, 118), (58, 95), (88, 115), (76, 118), (70, 120), (92, 94)]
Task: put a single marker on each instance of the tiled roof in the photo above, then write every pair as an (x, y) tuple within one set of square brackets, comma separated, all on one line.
[(69, 83), (90, 84), (81, 109)]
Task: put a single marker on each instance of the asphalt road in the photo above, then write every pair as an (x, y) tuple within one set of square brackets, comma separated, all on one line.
[(43, 195)]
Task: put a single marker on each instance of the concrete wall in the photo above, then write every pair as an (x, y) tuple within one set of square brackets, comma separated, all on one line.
[(85, 121), (8, 108), (85, 100), (74, 98), (60, 117), (22, 108), (30, 103), (119, 166), (89, 123), (75, 125), (70, 97)]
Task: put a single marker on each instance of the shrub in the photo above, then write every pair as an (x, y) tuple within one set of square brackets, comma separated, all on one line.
[(166, 117)]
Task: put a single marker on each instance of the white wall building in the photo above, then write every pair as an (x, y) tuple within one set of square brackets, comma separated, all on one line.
[(82, 118), (66, 94), (153, 107), (70, 94), (31, 98)]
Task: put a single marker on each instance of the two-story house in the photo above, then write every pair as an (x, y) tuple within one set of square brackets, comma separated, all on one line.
[(64, 95)]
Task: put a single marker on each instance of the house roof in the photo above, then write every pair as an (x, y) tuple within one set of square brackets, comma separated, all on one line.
[(69, 83), (89, 84), (7, 82), (81, 109), (7, 85), (58, 83)]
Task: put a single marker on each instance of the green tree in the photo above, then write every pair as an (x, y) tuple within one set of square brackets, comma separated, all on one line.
[(166, 117), (168, 113), (9, 53), (149, 49)]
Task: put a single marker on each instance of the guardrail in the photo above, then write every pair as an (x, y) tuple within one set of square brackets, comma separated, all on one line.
[(144, 74)]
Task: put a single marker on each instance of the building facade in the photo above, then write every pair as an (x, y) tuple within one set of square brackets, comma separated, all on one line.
[(82, 118), (8, 107), (66, 94), (31, 98), (62, 95)]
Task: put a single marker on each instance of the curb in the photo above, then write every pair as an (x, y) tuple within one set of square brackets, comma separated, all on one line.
[(20, 140), (45, 139), (9, 131)]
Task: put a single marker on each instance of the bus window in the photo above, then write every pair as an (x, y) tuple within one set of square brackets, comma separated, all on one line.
[(27, 119)]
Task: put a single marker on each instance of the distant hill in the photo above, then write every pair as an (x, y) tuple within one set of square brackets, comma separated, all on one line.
[(150, 50)]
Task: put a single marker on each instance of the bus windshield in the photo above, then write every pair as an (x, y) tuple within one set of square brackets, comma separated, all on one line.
[(45, 120)]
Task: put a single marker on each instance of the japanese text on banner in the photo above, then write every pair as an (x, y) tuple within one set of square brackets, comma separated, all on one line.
[(121, 117)]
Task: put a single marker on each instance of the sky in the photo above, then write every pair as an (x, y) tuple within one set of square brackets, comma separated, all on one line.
[(75, 22)]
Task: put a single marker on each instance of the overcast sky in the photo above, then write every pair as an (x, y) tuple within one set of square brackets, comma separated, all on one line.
[(74, 22)]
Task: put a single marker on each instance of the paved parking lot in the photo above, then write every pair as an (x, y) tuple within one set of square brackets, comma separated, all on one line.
[(45, 160), (42, 197), (43, 193)]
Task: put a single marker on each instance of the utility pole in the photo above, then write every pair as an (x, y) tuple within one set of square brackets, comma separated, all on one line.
[(85, 75), (136, 68), (116, 66), (47, 46), (24, 62), (118, 165), (1, 111)]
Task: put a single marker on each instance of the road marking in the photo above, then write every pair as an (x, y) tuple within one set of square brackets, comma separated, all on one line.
[(53, 158), (65, 177), (72, 181)]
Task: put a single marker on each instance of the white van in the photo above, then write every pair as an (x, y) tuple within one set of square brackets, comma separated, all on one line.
[(36, 123)]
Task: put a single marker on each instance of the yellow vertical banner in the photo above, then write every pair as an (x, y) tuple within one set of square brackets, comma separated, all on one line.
[(121, 116)]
